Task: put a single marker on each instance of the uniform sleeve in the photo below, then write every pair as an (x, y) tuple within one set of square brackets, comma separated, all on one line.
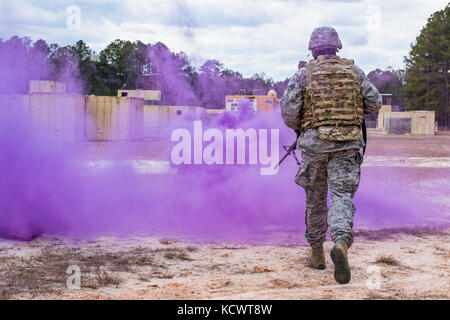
[(372, 97), (291, 102)]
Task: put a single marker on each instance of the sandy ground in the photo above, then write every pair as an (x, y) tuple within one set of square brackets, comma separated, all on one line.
[(386, 264), (410, 264)]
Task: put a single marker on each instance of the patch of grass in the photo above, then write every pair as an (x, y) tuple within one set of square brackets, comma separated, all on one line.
[(227, 283), (105, 279), (389, 233), (177, 255), (216, 267), (401, 295), (228, 248), (440, 251), (20, 277), (377, 296), (143, 278), (389, 260), (165, 241), (100, 279), (4, 294), (45, 272), (162, 275)]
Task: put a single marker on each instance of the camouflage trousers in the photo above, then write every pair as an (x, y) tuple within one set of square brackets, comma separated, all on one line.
[(340, 173)]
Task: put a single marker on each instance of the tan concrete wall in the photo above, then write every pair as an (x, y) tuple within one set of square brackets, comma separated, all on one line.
[(210, 116), (422, 122), (387, 115), (46, 86), (214, 111), (397, 114), (114, 118), (158, 118), (143, 94), (383, 109), (73, 117), (56, 116), (14, 111)]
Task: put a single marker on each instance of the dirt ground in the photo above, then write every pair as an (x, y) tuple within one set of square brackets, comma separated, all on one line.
[(410, 264), (407, 263)]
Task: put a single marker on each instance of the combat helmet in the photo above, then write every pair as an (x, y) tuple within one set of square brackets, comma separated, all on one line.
[(324, 37)]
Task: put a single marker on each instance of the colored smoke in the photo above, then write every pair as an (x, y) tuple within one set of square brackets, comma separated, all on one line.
[(45, 190)]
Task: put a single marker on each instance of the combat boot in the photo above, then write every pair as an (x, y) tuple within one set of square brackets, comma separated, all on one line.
[(341, 268), (317, 258)]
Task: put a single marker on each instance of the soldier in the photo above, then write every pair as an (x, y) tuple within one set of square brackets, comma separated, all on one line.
[(326, 101)]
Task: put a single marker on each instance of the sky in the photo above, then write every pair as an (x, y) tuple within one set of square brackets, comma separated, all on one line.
[(248, 36)]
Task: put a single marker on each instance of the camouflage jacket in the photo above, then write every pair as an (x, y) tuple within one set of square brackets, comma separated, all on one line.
[(291, 107)]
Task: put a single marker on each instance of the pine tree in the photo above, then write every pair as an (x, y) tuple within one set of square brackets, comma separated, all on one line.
[(427, 68)]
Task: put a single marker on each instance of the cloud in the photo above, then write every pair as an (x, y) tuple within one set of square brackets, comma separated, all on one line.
[(248, 36)]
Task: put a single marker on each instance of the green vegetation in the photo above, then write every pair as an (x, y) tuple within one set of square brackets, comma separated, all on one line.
[(427, 68)]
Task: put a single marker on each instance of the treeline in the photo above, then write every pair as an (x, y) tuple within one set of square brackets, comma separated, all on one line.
[(125, 65), (423, 85), (427, 68), (390, 81)]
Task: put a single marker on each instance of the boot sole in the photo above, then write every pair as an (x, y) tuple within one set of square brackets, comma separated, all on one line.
[(341, 268)]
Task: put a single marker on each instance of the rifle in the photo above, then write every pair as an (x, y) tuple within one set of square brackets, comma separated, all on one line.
[(364, 133), (290, 149)]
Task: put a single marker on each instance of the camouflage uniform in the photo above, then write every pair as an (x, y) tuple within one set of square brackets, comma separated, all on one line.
[(327, 164)]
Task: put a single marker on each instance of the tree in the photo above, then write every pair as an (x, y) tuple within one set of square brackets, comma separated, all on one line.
[(39, 56), (211, 86), (389, 81), (124, 64), (121, 64), (22, 61), (87, 66), (176, 74), (427, 68), (280, 86), (66, 67)]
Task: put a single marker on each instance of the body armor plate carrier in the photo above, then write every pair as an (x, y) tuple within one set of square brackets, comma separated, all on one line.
[(333, 99)]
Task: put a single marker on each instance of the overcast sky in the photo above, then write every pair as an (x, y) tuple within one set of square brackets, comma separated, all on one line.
[(246, 35)]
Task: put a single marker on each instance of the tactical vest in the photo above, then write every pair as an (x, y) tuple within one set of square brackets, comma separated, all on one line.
[(333, 102)]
